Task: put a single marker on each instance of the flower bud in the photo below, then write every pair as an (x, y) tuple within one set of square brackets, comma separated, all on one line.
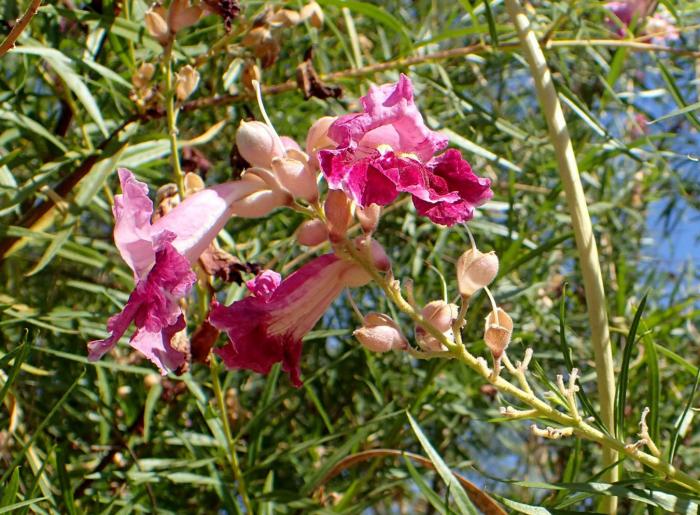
[(285, 18), (475, 270), (337, 209), (317, 139), (369, 217), (379, 333), (499, 328), (312, 12), (258, 144), (312, 232), (261, 200), (379, 258), (296, 178), (441, 315), (182, 15), (155, 23), (186, 82), (289, 144)]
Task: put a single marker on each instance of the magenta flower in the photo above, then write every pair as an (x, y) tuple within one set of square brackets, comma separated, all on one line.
[(660, 26), (160, 255), (387, 149), (268, 327)]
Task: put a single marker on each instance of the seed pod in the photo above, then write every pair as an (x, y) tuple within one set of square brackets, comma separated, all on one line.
[(475, 270), (379, 333), (440, 314)]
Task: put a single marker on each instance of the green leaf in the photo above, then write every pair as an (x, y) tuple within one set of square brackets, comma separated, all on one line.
[(464, 505), (9, 494), (428, 493)]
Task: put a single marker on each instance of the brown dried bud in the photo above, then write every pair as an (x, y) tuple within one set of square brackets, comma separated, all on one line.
[(337, 209), (157, 27), (186, 81), (475, 270), (379, 333), (312, 232), (499, 329), (313, 12), (182, 15), (251, 72), (142, 78), (263, 44), (193, 183), (285, 18)]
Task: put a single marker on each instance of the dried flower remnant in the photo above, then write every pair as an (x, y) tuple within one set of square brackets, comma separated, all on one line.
[(227, 9), (497, 334), (163, 24), (310, 83), (387, 149), (186, 81), (268, 327), (313, 13), (379, 333)]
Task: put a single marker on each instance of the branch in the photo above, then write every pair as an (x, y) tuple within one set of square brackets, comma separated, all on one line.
[(21, 24), (583, 230)]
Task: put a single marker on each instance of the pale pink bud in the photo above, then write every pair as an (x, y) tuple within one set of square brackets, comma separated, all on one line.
[(186, 81), (182, 15), (289, 144), (475, 270), (296, 178), (261, 200), (499, 329), (358, 276), (312, 12), (379, 333), (312, 233), (317, 139), (441, 315), (337, 209), (258, 144), (155, 23), (369, 217)]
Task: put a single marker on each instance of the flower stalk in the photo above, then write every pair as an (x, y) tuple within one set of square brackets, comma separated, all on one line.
[(539, 409), (583, 231), (171, 118)]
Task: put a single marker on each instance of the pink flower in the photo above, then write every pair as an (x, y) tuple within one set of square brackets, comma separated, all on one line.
[(387, 149), (268, 327), (660, 26), (160, 255)]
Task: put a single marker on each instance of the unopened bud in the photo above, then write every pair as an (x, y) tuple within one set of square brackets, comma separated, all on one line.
[(317, 139), (440, 315), (186, 81), (312, 232), (369, 217), (376, 252), (285, 18), (155, 23), (337, 209), (261, 200), (499, 328), (312, 12), (475, 270), (289, 144), (296, 178), (379, 333), (258, 144), (182, 15)]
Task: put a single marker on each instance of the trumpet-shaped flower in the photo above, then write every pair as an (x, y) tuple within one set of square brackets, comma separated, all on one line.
[(268, 326), (387, 149), (160, 255)]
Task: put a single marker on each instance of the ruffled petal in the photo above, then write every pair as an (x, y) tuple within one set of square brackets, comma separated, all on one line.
[(156, 346), (132, 228), (264, 284)]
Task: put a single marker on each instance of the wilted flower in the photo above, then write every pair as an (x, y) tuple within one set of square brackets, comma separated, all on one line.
[(475, 270), (161, 254), (284, 17), (379, 333), (268, 327), (387, 149), (312, 12)]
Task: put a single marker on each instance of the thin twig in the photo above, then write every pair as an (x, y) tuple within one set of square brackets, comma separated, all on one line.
[(21, 24)]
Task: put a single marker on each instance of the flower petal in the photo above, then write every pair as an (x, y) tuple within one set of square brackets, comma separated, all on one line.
[(156, 346), (132, 229)]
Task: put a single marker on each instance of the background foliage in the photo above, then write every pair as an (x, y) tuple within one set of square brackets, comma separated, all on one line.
[(110, 436)]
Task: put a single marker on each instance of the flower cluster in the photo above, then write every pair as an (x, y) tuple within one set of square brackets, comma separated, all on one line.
[(367, 159)]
